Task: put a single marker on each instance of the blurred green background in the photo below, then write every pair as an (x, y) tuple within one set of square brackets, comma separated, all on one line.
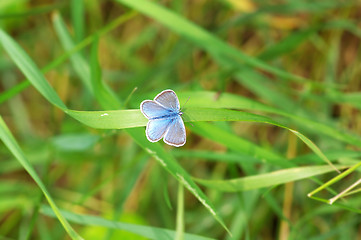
[(294, 64)]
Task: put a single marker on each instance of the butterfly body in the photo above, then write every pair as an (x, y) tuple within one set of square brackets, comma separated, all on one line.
[(165, 119), (171, 114)]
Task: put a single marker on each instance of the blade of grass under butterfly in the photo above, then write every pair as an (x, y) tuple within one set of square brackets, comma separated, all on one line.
[(148, 232), (267, 179), (13, 146), (133, 118)]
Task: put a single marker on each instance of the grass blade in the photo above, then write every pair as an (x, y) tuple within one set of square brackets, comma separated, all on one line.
[(267, 179), (180, 213), (133, 118)]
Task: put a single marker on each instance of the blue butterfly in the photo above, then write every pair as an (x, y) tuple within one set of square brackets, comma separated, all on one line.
[(164, 119)]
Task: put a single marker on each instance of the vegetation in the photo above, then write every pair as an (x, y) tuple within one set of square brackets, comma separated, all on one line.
[(273, 119)]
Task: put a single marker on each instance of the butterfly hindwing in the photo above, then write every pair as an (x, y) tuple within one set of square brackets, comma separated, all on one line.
[(176, 134), (157, 128)]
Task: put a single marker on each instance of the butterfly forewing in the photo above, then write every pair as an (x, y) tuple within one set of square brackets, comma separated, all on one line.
[(176, 134), (168, 99), (152, 109)]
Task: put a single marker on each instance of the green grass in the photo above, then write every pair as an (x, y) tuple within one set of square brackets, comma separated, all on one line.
[(272, 117)]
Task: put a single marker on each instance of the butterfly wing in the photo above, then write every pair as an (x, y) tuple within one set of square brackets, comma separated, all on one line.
[(168, 99), (151, 109), (157, 128), (176, 134)]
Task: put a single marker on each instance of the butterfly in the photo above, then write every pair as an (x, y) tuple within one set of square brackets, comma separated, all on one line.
[(165, 119)]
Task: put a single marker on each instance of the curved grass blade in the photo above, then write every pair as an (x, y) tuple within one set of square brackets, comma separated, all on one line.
[(149, 232), (12, 145), (267, 179)]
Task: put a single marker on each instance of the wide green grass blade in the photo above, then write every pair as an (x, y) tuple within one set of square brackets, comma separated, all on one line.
[(13, 146), (133, 118), (148, 232), (267, 179), (200, 37), (117, 119)]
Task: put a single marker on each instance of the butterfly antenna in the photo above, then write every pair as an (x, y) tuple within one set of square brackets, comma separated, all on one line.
[(185, 103)]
